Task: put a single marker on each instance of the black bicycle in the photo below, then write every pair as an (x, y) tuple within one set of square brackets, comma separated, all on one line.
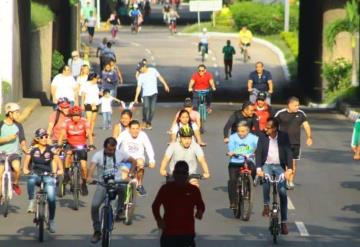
[(112, 188), (170, 178), (243, 191), (274, 213), (41, 213)]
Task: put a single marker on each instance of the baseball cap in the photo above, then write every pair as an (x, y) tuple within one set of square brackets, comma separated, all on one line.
[(11, 107), (40, 133), (261, 96), (188, 102)]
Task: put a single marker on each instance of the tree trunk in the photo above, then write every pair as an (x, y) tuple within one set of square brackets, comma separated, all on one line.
[(354, 78)]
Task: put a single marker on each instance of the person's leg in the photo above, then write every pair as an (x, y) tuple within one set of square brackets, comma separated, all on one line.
[(97, 200), (104, 120), (226, 67), (15, 164), (93, 120), (208, 98), (206, 48), (195, 100), (31, 191), (153, 101), (109, 114), (230, 67), (2, 168), (253, 95), (233, 178), (266, 185), (146, 109), (50, 186)]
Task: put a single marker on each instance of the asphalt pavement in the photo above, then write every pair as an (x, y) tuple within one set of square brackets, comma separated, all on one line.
[(324, 208)]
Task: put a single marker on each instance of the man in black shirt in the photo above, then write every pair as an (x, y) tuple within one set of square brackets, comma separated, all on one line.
[(291, 119), (260, 80), (247, 113)]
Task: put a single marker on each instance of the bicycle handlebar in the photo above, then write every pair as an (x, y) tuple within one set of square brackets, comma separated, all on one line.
[(191, 176), (277, 180)]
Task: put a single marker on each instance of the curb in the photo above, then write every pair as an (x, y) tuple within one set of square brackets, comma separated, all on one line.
[(263, 42), (28, 105), (342, 107)]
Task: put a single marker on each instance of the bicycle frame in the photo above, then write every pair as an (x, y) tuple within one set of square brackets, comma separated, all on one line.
[(7, 175), (202, 106)]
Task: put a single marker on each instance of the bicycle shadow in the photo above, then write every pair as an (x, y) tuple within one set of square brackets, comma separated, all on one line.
[(225, 212), (12, 209), (221, 188), (69, 203)]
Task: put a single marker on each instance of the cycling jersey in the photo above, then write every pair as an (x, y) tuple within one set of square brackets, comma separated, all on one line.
[(355, 139), (244, 146), (56, 131), (263, 115), (245, 36), (76, 132), (42, 161), (201, 82)]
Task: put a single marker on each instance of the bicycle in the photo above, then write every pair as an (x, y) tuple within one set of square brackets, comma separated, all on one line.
[(202, 52), (170, 178), (254, 93), (202, 107), (245, 53), (172, 26), (243, 191), (274, 212), (60, 185), (7, 192), (41, 213)]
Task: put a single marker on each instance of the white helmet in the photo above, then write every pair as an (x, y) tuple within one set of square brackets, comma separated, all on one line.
[(11, 107), (135, 5), (204, 30)]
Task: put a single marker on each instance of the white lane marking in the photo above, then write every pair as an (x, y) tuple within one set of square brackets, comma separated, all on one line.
[(135, 44), (148, 51), (290, 204), (302, 229)]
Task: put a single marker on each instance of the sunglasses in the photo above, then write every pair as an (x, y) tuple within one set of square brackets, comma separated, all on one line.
[(201, 70), (43, 137)]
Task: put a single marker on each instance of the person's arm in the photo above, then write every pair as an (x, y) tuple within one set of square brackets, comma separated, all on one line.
[(137, 93), (228, 127), (116, 130), (91, 171), (22, 139), (307, 128), (250, 85), (204, 166), (199, 204), (198, 138), (288, 157), (26, 163), (53, 93), (115, 99), (162, 80), (62, 135), (191, 85), (119, 74), (149, 151), (256, 126), (258, 157), (212, 84), (159, 200)]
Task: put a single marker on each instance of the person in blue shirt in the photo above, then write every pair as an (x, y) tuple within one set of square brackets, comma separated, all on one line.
[(242, 143)]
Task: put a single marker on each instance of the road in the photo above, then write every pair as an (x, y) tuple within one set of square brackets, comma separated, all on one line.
[(325, 202)]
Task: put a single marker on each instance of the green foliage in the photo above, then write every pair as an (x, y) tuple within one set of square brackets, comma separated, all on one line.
[(41, 15), (218, 28), (263, 19), (6, 88), (350, 95), (74, 2), (337, 74), (57, 63), (292, 41), (224, 17), (348, 24)]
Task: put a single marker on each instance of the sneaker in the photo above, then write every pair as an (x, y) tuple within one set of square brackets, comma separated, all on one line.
[(96, 237), (266, 211), (232, 206), (291, 185), (141, 190), (30, 208), (148, 127), (230, 74), (51, 226), (16, 189), (84, 189), (143, 125), (209, 110), (284, 229)]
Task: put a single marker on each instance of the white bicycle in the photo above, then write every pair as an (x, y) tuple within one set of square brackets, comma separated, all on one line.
[(7, 192)]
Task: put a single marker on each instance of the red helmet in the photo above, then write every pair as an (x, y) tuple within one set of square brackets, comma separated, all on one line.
[(75, 111), (63, 102)]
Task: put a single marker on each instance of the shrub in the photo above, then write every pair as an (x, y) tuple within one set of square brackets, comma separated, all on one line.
[(337, 74), (292, 41), (41, 15), (263, 19), (57, 63), (224, 17)]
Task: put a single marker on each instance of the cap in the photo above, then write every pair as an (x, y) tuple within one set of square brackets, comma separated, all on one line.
[(92, 76), (11, 107), (188, 102), (40, 133), (261, 96)]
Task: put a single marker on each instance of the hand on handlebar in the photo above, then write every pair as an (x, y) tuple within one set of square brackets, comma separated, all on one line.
[(163, 172), (152, 165), (206, 175), (190, 89), (92, 147)]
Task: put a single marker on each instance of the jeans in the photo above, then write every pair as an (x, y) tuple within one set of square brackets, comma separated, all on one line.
[(196, 99), (228, 66), (106, 119), (205, 45), (234, 174), (254, 94), (275, 169), (149, 108), (50, 186)]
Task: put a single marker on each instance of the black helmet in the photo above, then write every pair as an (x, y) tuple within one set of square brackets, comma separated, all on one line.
[(261, 96), (39, 133), (186, 131)]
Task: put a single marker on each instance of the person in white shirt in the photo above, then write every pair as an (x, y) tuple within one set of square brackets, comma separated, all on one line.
[(91, 24), (64, 86), (90, 99), (75, 63), (136, 143), (81, 80), (106, 109), (203, 41)]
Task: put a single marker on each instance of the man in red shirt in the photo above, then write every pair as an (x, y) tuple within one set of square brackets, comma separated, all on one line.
[(57, 119), (262, 110), (77, 130), (178, 223), (202, 80)]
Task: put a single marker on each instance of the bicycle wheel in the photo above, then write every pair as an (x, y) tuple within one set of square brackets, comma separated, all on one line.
[(60, 187), (274, 228), (202, 54), (245, 54), (41, 220), (6, 196), (106, 226), (76, 187), (246, 198), (237, 210), (130, 204)]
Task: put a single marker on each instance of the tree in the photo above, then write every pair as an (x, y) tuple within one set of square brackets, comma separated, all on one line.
[(350, 24)]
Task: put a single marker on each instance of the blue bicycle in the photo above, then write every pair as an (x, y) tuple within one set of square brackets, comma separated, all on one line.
[(202, 107)]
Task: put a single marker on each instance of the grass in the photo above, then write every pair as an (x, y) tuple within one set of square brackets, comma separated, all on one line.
[(349, 95), (41, 15), (218, 28)]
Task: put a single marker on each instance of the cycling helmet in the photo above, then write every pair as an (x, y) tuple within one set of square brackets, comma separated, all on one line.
[(135, 6), (75, 111), (40, 133), (204, 29), (186, 131), (63, 102), (11, 107)]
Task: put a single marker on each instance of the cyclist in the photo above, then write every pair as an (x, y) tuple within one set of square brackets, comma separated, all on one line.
[(12, 142), (173, 16), (240, 143), (355, 139), (203, 41), (106, 161), (42, 158), (184, 121), (188, 150), (136, 143), (262, 110), (90, 99), (77, 130), (201, 80), (166, 13), (273, 155), (246, 113), (57, 119), (260, 80), (125, 119), (194, 115), (136, 18), (245, 38)]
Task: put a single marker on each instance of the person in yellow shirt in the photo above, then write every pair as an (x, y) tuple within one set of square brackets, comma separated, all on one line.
[(245, 38)]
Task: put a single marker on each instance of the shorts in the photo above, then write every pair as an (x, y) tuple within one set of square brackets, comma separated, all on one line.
[(89, 108), (126, 166), (82, 154), (245, 44), (11, 158), (177, 240), (91, 30), (296, 151)]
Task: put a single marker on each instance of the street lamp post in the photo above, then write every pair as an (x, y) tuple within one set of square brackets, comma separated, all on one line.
[(287, 15)]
